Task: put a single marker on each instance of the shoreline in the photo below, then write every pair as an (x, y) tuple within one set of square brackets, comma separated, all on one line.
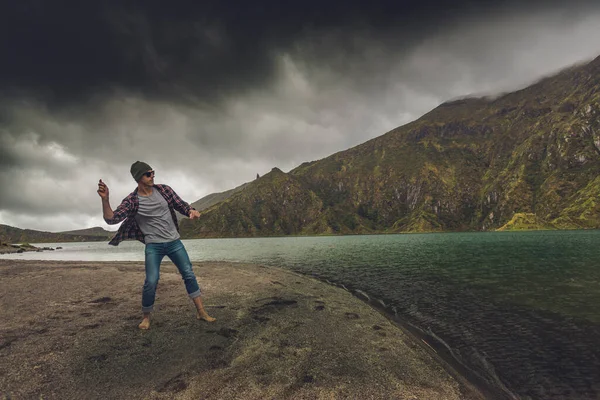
[(278, 333), (437, 348)]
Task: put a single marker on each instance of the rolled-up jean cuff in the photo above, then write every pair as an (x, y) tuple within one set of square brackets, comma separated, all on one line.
[(146, 310), (197, 293)]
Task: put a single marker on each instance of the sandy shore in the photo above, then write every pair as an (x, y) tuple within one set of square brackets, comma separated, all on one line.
[(69, 331)]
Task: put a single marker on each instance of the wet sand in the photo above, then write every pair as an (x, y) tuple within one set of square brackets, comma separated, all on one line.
[(69, 331)]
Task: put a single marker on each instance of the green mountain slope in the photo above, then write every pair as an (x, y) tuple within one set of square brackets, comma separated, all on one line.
[(470, 164), (275, 204), (526, 222), (212, 199)]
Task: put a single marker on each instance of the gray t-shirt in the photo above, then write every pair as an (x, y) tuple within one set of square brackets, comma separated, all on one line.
[(155, 220)]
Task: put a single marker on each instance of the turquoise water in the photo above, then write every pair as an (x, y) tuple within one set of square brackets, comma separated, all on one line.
[(520, 310)]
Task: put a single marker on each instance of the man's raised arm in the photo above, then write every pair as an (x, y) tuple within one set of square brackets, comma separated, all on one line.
[(111, 217), (107, 211)]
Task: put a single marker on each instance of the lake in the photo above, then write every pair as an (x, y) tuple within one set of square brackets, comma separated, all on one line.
[(517, 310)]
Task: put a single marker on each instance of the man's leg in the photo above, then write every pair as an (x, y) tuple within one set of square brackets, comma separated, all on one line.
[(154, 254), (178, 254)]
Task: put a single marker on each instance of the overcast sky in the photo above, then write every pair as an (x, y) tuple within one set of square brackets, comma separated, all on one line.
[(211, 94)]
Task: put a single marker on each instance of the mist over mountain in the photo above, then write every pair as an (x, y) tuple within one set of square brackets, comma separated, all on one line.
[(472, 164)]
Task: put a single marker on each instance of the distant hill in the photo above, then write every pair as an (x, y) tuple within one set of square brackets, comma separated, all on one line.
[(468, 165), (95, 231), (9, 234)]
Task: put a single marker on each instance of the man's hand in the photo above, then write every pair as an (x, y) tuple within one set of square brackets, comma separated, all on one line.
[(194, 214), (102, 190)]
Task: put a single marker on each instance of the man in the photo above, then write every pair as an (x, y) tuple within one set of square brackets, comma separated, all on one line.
[(149, 214)]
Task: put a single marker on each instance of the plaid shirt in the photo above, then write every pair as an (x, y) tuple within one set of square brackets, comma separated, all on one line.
[(129, 208)]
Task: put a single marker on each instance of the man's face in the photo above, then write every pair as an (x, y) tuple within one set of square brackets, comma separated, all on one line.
[(148, 178)]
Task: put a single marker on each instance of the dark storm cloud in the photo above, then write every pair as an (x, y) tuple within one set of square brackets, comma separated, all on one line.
[(69, 51)]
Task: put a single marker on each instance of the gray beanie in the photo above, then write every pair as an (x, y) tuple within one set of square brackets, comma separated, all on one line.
[(138, 168)]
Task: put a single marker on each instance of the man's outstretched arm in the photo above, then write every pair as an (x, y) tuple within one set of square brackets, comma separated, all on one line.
[(180, 205)]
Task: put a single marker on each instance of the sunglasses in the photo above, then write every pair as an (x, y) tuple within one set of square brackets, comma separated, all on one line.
[(148, 174)]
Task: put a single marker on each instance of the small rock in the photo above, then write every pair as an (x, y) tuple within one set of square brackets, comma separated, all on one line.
[(227, 332), (174, 385), (101, 300), (98, 358)]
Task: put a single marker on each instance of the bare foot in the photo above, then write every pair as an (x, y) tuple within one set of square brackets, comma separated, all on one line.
[(205, 317), (145, 324)]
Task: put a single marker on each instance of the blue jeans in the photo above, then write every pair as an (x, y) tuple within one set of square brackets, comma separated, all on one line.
[(155, 252)]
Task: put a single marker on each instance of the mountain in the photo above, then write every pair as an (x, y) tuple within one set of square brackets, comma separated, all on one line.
[(275, 204), (212, 199), (468, 165), (9, 234)]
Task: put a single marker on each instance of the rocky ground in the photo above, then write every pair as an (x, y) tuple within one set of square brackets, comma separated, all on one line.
[(69, 331)]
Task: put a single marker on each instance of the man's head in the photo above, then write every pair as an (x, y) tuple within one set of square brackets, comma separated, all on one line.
[(139, 169)]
